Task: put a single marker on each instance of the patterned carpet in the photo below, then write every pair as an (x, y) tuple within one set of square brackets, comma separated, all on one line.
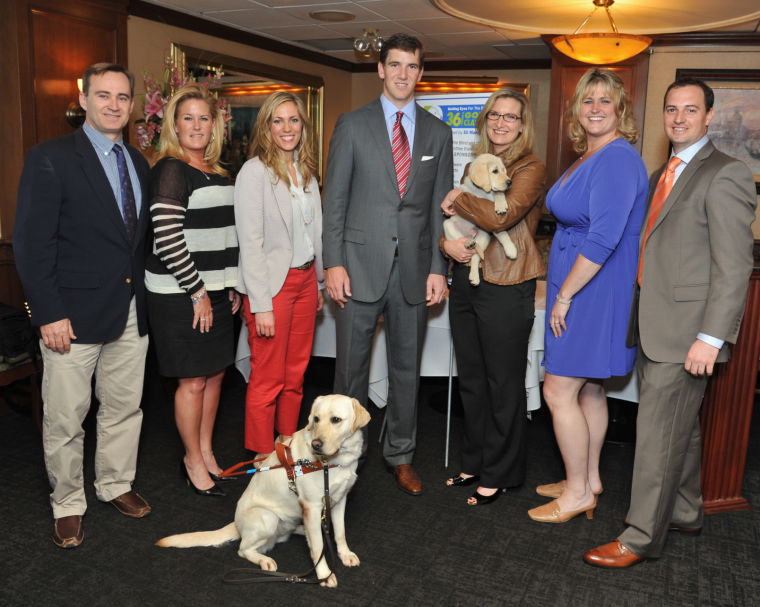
[(426, 550)]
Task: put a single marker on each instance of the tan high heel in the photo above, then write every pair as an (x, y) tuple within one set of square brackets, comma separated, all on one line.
[(556, 489), (550, 513)]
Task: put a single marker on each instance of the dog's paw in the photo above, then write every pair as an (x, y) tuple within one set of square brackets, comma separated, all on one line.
[(500, 211), (330, 582), (511, 250), (268, 564), (349, 559)]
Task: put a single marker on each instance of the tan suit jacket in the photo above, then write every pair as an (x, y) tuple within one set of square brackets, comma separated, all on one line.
[(698, 258), (264, 223)]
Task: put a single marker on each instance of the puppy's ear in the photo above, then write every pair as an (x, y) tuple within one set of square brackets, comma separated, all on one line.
[(361, 415), (479, 175), (310, 425)]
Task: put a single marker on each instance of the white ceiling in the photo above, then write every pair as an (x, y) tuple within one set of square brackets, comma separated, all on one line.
[(482, 29)]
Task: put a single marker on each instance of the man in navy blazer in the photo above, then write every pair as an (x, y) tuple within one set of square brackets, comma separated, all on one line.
[(380, 241), (79, 243)]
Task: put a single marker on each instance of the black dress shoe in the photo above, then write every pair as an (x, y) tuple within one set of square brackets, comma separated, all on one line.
[(461, 481), (212, 491), (685, 530), (221, 479), (484, 500)]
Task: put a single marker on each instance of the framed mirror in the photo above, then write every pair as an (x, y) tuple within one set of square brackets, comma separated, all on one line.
[(244, 86)]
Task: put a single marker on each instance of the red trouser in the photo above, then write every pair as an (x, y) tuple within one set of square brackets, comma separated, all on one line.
[(278, 363)]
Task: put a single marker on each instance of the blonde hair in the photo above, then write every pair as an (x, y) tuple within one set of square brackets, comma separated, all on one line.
[(614, 87), (168, 143), (519, 147), (268, 152)]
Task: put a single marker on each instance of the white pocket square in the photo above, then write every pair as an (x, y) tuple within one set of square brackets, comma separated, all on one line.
[(424, 158)]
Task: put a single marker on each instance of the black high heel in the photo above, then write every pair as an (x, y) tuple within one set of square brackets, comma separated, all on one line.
[(461, 481), (221, 479), (484, 500), (212, 491)]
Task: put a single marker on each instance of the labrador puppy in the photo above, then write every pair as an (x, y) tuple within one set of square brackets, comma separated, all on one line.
[(487, 178), (268, 511)]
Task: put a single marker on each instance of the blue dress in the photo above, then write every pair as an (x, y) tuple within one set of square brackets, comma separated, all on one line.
[(599, 211)]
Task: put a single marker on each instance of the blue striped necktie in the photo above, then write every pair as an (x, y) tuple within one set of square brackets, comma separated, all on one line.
[(129, 208)]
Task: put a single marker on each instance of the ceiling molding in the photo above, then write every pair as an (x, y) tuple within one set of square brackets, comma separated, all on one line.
[(467, 64), (161, 14), (707, 38)]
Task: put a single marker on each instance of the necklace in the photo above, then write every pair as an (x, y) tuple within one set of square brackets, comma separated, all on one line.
[(202, 172)]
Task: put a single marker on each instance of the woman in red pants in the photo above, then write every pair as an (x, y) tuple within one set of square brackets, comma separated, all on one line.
[(278, 216)]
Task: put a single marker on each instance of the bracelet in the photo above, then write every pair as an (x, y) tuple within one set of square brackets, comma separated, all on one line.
[(566, 302), (196, 298)]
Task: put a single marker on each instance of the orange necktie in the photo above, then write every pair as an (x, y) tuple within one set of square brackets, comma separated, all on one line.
[(664, 185)]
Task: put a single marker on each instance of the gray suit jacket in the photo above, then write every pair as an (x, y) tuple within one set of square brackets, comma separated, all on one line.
[(264, 224), (698, 259), (364, 216)]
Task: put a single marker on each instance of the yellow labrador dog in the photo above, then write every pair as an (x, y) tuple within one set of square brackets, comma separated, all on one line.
[(486, 178), (268, 511)]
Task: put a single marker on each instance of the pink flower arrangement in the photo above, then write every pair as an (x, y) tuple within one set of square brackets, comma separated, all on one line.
[(157, 95)]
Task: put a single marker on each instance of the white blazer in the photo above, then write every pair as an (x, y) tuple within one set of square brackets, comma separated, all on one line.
[(264, 224)]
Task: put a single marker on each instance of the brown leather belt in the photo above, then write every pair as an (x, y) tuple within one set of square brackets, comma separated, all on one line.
[(306, 266)]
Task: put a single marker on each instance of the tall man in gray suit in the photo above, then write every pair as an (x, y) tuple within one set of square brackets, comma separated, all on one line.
[(390, 165), (79, 240), (694, 269)]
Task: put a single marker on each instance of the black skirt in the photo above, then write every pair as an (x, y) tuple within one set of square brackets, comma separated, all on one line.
[(186, 352)]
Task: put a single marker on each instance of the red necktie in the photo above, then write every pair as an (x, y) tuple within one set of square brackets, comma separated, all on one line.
[(664, 185), (402, 159)]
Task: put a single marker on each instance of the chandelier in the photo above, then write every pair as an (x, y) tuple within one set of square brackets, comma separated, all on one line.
[(600, 48), (370, 43)]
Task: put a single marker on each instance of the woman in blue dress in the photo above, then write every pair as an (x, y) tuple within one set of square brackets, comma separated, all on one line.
[(599, 204)]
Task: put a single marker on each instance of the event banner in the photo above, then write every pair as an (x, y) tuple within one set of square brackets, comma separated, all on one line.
[(459, 111)]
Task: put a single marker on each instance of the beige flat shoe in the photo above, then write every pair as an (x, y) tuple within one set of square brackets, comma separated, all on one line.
[(550, 513), (556, 489)]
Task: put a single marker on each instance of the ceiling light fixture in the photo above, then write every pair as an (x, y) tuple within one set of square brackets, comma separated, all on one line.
[(370, 42), (332, 16), (600, 48)]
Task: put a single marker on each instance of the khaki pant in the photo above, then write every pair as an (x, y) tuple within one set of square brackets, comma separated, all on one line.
[(119, 368), (666, 470)]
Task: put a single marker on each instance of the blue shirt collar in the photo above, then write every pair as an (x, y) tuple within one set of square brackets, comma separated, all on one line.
[(688, 154), (102, 144), (389, 110)]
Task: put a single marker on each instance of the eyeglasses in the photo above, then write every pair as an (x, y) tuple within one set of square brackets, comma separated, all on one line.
[(494, 117)]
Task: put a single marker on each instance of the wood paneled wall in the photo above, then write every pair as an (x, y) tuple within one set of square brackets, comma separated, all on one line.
[(565, 76), (45, 45)]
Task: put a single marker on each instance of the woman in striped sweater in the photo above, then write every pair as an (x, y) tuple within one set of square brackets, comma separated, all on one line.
[(191, 273)]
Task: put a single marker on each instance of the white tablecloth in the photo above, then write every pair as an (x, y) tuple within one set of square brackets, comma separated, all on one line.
[(437, 354)]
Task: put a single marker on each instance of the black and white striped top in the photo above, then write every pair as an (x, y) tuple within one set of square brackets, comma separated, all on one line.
[(194, 239)]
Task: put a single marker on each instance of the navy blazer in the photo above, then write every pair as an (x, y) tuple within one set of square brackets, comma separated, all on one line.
[(72, 251)]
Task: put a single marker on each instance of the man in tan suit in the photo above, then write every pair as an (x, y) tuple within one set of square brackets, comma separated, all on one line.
[(696, 259)]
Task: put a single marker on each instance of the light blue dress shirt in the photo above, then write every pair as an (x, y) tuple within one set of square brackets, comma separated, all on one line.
[(104, 150), (410, 113)]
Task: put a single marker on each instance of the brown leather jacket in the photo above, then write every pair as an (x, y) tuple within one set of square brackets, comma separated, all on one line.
[(524, 198)]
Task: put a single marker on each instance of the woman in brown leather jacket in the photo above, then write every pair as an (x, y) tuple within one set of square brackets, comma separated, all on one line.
[(491, 323)]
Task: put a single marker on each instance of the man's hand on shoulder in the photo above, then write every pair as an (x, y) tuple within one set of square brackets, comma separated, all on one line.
[(57, 335), (700, 359), (338, 284), (435, 289)]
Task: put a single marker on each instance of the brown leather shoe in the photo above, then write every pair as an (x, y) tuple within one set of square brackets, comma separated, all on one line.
[(613, 555), (68, 531), (131, 504), (407, 479), (685, 530)]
